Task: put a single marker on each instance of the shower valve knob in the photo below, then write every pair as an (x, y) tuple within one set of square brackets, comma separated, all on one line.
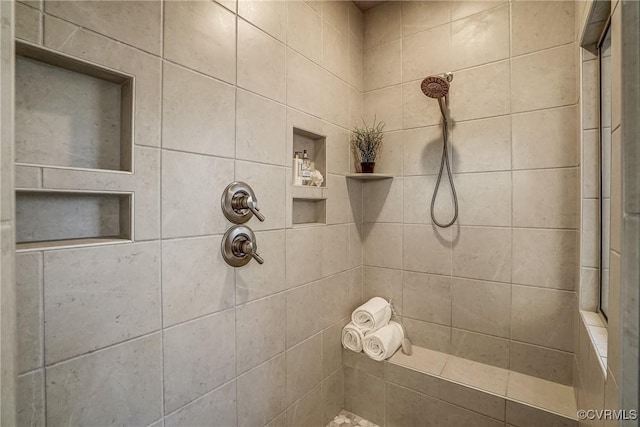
[(239, 246), (239, 203)]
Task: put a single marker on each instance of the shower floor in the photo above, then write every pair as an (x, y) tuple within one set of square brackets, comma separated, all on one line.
[(347, 419)]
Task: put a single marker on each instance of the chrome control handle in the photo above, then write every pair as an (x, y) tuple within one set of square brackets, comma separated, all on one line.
[(239, 203), (242, 200), (242, 247), (239, 246)]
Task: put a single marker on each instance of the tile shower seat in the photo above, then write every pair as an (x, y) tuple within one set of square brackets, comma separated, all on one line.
[(510, 398)]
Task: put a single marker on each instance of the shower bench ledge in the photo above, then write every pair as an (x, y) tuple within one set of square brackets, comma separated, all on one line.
[(505, 396)]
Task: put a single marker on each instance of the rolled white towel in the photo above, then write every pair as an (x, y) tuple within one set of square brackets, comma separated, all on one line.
[(372, 315), (352, 337), (384, 342)]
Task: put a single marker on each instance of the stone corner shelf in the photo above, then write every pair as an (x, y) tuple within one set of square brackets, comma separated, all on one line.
[(369, 176)]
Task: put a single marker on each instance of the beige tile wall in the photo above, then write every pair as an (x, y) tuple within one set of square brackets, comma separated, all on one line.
[(162, 330), (500, 285)]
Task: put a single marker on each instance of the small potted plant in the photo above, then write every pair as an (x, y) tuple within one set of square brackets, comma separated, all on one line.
[(366, 143)]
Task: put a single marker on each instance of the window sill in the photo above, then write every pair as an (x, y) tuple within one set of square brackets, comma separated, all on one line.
[(597, 330)]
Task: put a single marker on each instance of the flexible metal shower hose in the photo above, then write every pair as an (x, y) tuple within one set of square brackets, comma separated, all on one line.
[(443, 163)]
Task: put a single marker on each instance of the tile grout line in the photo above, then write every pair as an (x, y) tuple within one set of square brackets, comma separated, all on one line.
[(160, 231)]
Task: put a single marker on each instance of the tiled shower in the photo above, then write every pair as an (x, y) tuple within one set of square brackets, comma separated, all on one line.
[(132, 117)]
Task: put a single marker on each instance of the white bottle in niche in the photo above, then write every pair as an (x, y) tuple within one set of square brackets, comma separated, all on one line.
[(297, 168), (306, 169)]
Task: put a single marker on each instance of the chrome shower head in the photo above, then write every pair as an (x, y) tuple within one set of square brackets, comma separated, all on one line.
[(435, 87)]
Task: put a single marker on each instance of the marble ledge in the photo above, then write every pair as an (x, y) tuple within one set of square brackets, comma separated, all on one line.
[(513, 386)]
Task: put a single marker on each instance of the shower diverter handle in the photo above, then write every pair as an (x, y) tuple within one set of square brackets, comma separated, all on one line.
[(239, 246), (242, 200)]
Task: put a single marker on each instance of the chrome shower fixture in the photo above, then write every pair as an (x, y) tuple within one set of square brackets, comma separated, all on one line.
[(437, 87)]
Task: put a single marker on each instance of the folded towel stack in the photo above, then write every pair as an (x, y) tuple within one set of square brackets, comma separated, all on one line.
[(372, 330)]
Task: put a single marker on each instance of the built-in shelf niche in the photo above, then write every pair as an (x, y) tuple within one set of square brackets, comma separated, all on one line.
[(71, 113), (47, 219), (316, 146), (308, 212)]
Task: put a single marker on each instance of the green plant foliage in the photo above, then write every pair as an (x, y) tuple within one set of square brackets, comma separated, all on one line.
[(366, 142)]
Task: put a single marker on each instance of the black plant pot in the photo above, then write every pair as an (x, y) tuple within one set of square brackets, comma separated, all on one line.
[(368, 167)]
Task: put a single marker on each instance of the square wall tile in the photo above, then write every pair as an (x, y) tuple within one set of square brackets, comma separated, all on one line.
[(421, 151), (335, 48), (332, 396), (304, 255), (207, 44), (420, 16), (220, 405), (268, 183), (255, 281), (335, 249), (545, 198), (381, 25), (261, 331), (553, 69), (364, 395), (121, 384), (384, 105), (429, 335), (304, 368), (404, 407), (269, 16), (543, 316), (198, 113), (541, 25), (546, 138), (382, 245), (260, 130), (542, 362), (482, 145), (547, 258), (262, 393), (95, 297), (261, 62), (382, 200), (471, 100), (382, 65), (483, 253), (304, 30), (481, 306), (487, 349), (426, 297), (382, 282), (307, 411), (417, 109), (484, 198), (134, 23), (191, 189), (195, 279), (341, 294), (480, 39), (426, 249), (304, 313), (426, 54), (198, 357)]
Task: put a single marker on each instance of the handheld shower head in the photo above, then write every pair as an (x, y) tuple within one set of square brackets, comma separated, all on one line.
[(435, 87)]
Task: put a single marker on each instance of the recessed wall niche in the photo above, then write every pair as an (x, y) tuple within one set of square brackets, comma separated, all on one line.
[(316, 150), (46, 219), (71, 113)]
